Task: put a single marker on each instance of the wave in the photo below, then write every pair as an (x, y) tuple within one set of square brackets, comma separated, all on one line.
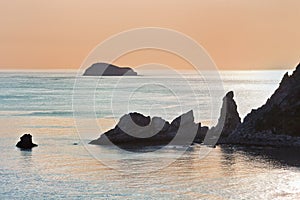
[(46, 113)]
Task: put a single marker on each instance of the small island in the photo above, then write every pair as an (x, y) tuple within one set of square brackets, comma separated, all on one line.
[(105, 69)]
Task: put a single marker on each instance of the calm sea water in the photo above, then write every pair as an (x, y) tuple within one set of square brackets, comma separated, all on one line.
[(65, 166)]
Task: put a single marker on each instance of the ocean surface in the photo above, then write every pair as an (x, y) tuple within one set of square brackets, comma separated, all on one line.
[(64, 111)]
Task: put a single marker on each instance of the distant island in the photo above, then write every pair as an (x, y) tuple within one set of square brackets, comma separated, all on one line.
[(277, 123), (105, 69)]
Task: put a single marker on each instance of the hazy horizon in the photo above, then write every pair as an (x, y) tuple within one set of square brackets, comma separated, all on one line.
[(141, 70)]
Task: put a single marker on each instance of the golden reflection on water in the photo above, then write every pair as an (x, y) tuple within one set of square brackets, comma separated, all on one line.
[(224, 173)]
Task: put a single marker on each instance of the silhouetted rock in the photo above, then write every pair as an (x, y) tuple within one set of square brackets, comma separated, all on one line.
[(137, 129), (184, 128), (201, 133), (277, 122), (104, 69), (26, 142), (228, 121), (185, 121)]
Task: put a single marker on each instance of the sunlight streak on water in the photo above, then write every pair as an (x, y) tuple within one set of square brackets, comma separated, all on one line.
[(59, 169)]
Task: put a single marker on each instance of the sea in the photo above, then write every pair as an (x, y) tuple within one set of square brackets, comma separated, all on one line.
[(64, 111)]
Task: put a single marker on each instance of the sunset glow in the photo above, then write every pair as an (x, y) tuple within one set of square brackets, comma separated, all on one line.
[(237, 34)]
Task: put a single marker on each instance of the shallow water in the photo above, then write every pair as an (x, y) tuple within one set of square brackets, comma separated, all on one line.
[(41, 105)]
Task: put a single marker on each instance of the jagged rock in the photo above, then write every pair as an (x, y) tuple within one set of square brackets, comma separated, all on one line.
[(158, 124), (104, 69), (275, 122), (184, 128), (230, 117), (133, 128), (137, 129), (134, 123), (26, 142), (201, 133), (183, 120), (229, 120)]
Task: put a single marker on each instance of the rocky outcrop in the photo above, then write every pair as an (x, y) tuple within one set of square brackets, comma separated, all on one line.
[(104, 69), (278, 121), (229, 120), (135, 129), (26, 142)]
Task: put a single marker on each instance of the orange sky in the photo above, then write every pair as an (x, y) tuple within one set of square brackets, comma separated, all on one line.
[(238, 34)]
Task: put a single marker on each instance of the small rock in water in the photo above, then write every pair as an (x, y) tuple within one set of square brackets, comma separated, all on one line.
[(26, 142)]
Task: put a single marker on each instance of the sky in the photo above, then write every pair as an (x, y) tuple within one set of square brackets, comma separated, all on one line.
[(237, 34)]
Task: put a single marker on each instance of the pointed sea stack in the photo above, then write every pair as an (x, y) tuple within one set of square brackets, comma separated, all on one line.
[(229, 120)]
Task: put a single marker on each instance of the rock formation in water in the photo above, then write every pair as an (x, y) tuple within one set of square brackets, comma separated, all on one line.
[(104, 69), (278, 121), (26, 142), (136, 129), (229, 120)]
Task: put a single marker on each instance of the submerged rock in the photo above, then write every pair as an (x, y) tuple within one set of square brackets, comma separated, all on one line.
[(104, 69), (26, 142)]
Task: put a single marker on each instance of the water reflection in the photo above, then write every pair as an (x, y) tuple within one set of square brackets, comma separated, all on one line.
[(26, 155), (228, 161), (275, 156), (26, 152)]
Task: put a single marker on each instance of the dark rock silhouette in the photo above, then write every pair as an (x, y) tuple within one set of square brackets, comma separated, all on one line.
[(230, 117), (137, 129), (201, 133), (26, 142), (104, 69), (228, 121), (277, 123)]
